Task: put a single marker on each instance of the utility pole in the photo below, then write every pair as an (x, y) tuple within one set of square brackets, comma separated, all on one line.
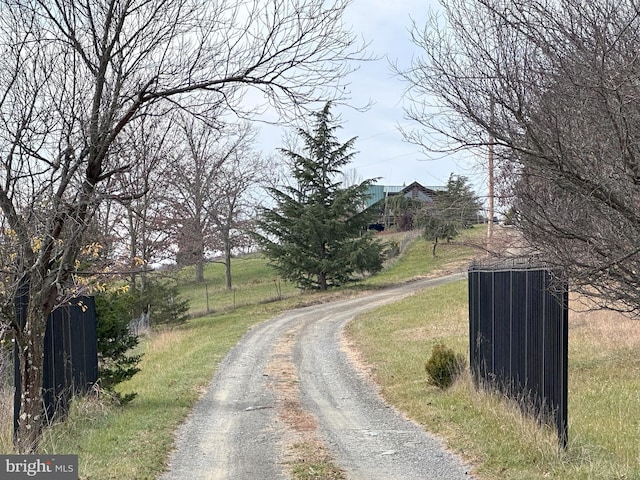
[(490, 199), (490, 175)]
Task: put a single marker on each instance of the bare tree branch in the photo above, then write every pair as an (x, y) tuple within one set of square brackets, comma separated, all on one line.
[(555, 84)]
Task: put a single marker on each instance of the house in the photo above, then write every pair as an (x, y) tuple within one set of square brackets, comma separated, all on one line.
[(386, 200), (418, 192)]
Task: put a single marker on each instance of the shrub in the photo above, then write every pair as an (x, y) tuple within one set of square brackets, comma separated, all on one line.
[(167, 307), (115, 311), (443, 366), (114, 341)]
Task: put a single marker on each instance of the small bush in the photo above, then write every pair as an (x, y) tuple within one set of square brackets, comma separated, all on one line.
[(443, 366), (115, 364), (167, 307)]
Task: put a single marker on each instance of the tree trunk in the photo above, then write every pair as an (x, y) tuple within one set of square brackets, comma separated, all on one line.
[(227, 256), (322, 281), (199, 270), (31, 358), (133, 242), (435, 245)]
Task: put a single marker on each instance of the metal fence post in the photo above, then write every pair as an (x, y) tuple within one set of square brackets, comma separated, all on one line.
[(518, 336)]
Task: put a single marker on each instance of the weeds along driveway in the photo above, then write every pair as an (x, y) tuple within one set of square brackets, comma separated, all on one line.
[(287, 395)]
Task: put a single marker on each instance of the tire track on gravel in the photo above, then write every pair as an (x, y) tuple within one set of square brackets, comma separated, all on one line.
[(238, 430)]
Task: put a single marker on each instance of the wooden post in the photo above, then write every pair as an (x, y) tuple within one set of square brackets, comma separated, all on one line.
[(206, 292)]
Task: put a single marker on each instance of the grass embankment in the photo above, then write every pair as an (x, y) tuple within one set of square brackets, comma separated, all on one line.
[(417, 260), (604, 391), (253, 282)]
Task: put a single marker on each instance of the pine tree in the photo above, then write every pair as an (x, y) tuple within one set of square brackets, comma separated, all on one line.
[(454, 208), (316, 233)]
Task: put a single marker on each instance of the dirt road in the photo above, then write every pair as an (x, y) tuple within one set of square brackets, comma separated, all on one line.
[(289, 383)]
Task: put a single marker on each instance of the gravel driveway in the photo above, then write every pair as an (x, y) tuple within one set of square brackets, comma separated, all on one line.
[(243, 427)]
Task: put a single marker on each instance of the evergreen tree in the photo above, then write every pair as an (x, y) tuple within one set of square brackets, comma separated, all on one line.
[(316, 233), (115, 341), (454, 208)]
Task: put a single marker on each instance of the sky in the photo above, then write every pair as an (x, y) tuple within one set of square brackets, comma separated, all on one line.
[(382, 151)]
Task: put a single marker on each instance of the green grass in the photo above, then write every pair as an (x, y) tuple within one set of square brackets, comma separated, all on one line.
[(253, 281), (418, 260), (604, 392)]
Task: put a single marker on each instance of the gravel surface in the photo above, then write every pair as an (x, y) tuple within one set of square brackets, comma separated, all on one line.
[(236, 430)]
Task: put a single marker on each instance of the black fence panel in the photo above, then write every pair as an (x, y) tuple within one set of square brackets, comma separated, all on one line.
[(501, 336), (70, 355), (518, 337)]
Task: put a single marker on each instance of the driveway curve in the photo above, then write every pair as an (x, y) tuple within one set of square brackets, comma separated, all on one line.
[(238, 431)]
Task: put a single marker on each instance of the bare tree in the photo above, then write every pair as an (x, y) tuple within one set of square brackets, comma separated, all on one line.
[(235, 194), (213, 177), (554, 83), (141, 223), (198, 158), (75, 74)]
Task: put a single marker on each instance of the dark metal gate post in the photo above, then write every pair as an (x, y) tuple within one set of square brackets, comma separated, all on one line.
[(518, 337), (70, 355)]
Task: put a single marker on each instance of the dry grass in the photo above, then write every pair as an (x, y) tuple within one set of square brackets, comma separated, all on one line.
[(434, 330), (6, 420), (307, 456), (161, 340), (6, 399), (605, 330), (604, 387), (538, 439)]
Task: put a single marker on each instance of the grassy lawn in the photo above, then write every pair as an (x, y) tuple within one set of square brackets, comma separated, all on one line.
[(417, 260), (253, 281)]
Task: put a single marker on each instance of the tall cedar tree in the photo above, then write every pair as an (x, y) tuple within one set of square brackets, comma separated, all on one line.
[(316, 234)]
